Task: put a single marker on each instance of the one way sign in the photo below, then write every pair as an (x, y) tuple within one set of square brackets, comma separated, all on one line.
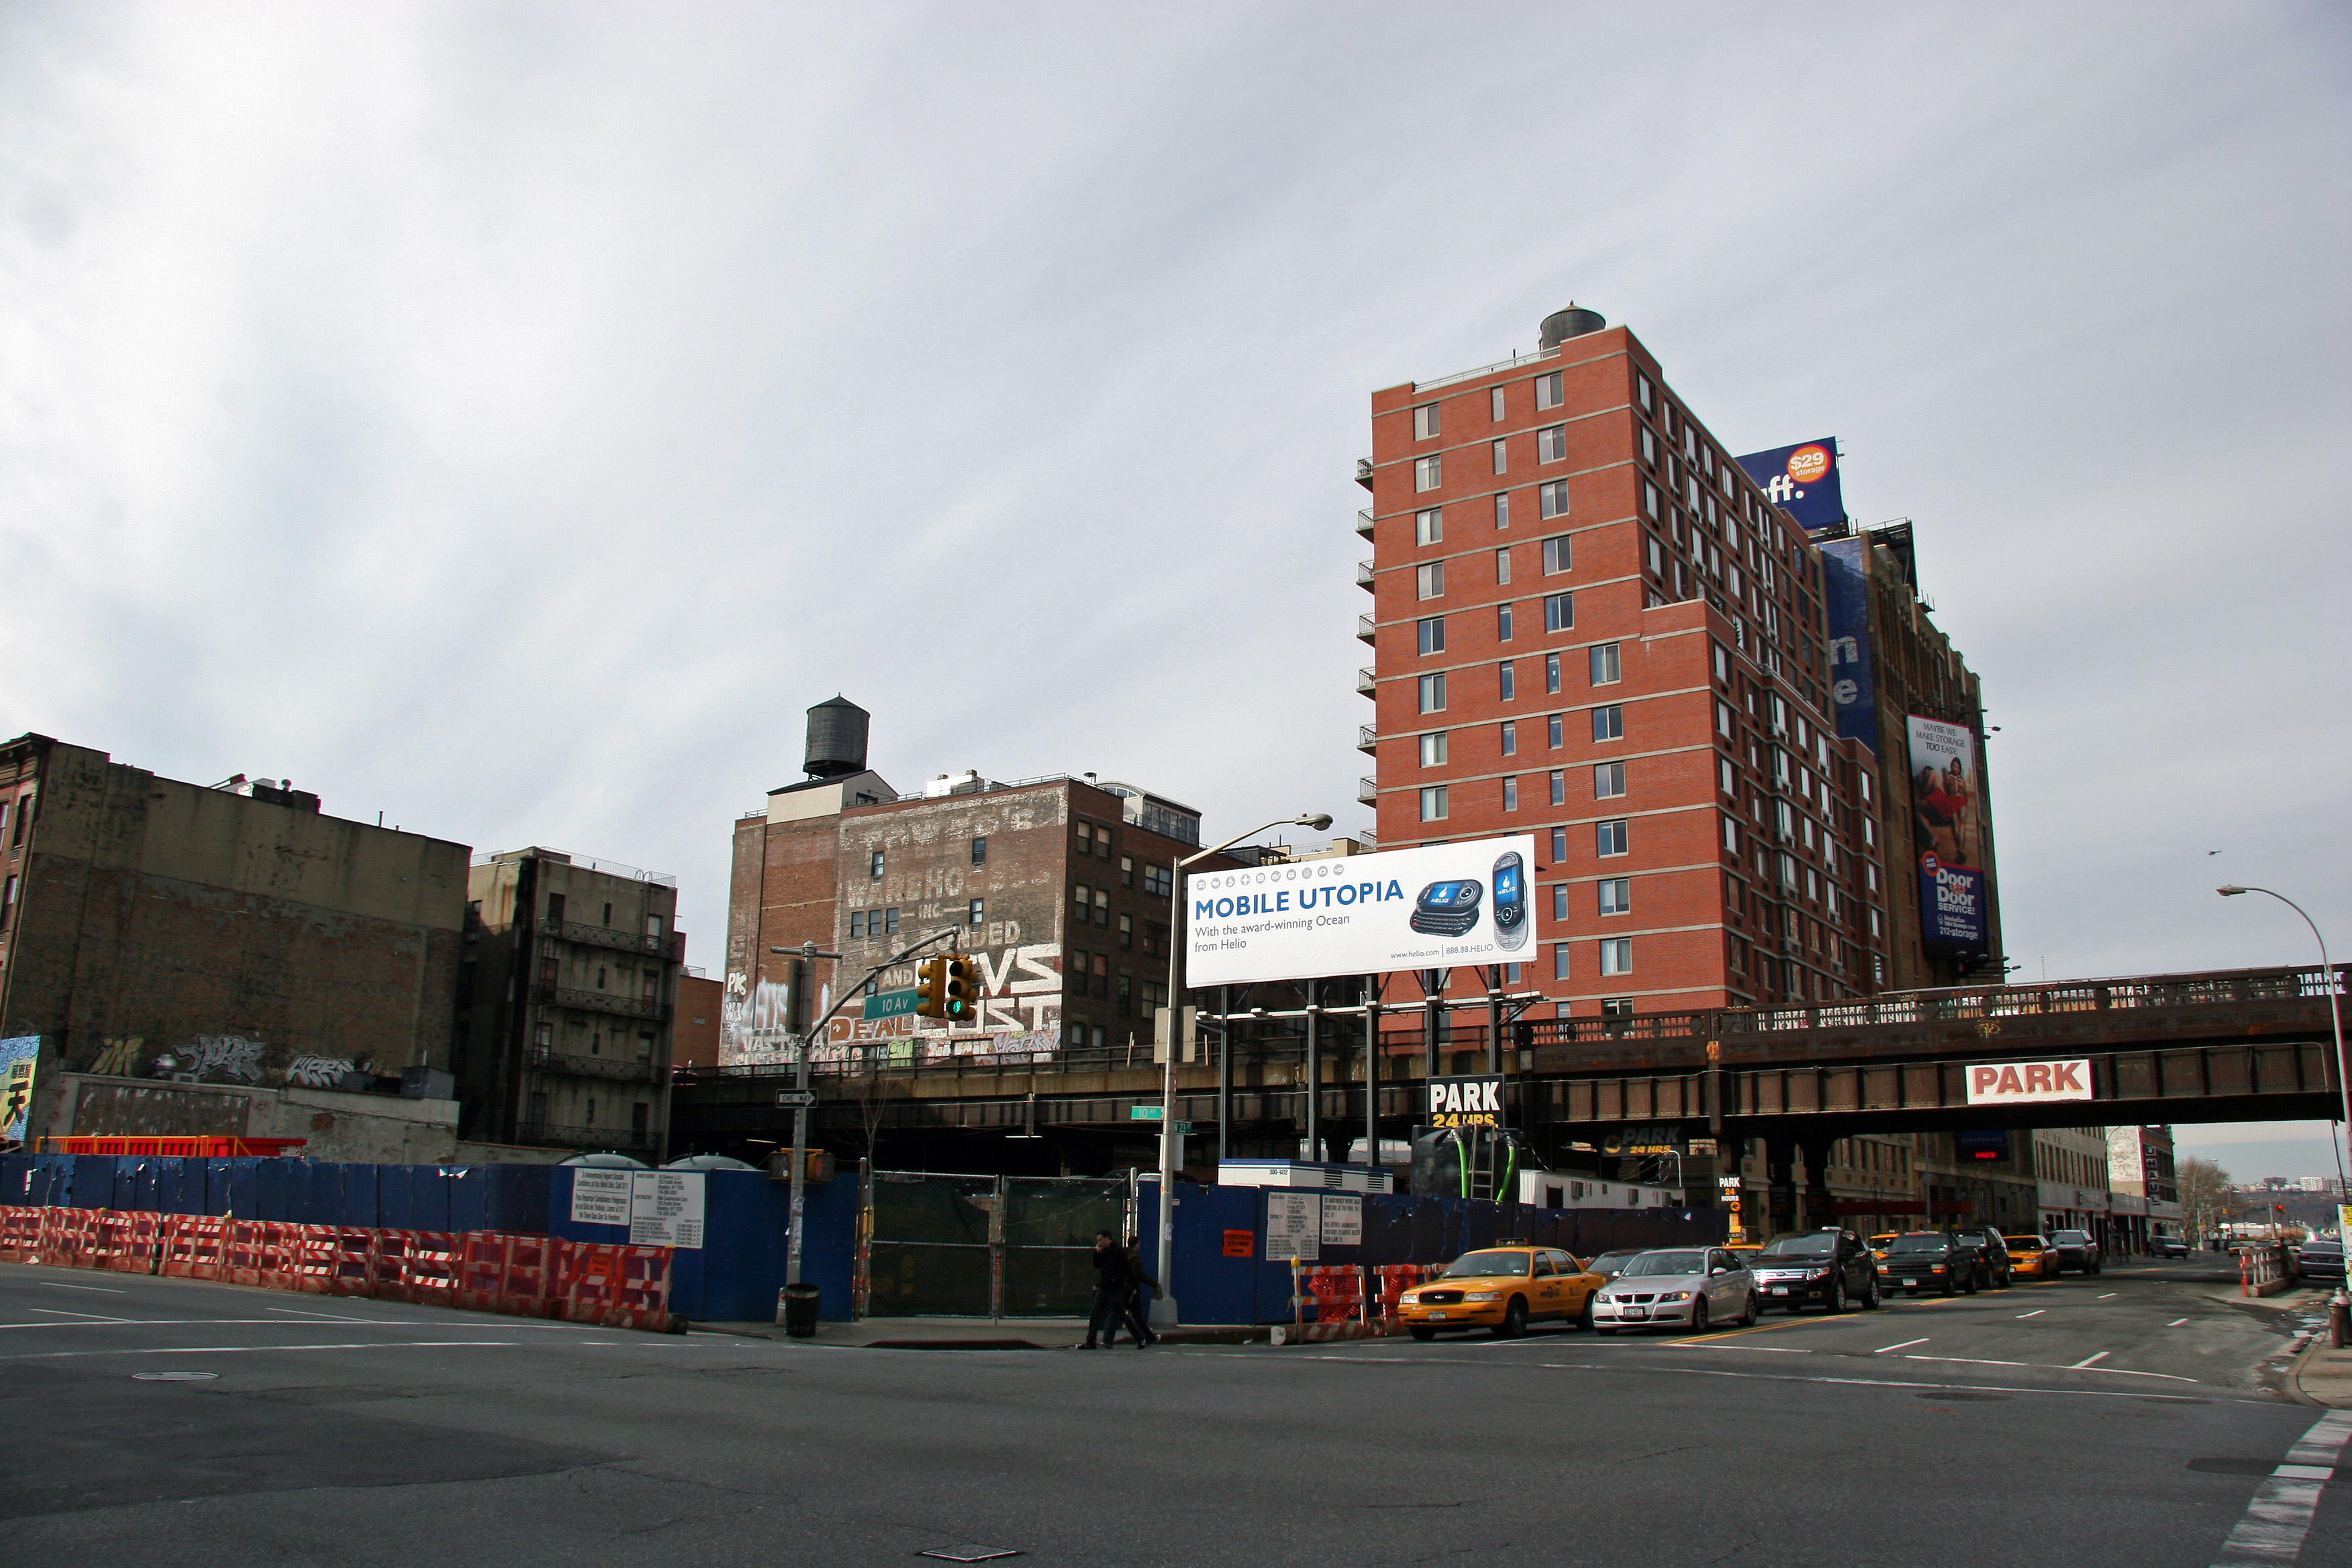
[(795, 1099), (1466, 1101)]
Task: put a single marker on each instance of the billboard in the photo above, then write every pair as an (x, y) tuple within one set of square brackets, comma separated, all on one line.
[(1845, 592), (18, 1058), (1433, 908), (1948, 825), (1803, 481), (2027, 1083)]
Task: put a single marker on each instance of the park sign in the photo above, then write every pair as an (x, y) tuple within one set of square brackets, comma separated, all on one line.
[(2029, 1083), (1439, 906)]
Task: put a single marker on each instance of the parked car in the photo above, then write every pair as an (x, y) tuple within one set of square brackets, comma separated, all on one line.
[(1929, 1260), (1501, 1288), (1992, 1249), (2320, 1260), (2078, 1250), (1678, 1287), (1881, 1242), (1609, 1265), (2031, 1255), (1830, 1266), (2168, 1246)]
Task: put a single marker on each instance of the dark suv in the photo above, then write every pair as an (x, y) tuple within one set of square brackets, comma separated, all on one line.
[(1992, 1249), (1832, 1266), (1929, 1260), (2077, 1249)]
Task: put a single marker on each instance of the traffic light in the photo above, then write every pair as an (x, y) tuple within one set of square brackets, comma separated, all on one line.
[(932, 988), (960, 998)]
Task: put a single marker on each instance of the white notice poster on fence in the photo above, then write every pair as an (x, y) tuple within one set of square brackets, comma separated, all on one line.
[(1343, 1219), (666, 1208), (600, 1197), (1294, 1225)]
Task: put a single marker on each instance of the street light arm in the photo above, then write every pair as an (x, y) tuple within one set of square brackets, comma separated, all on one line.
[(2335, 995)]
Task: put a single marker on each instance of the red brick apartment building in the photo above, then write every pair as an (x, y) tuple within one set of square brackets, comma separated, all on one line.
[(1588, 624)]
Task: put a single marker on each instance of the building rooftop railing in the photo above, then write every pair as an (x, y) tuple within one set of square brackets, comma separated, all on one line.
[(1516, 359), (557, 857)]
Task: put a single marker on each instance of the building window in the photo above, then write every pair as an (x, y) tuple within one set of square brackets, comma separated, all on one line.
[(1616, 1007), (1723, 720), (1425, 422), (1495, 403), (1502, 567), (1428, 473), (1608, 724), (1551, 444), (1559, 787), (1158, 880), (889, 921), (1551, 499), (1727, 776), (1649, 501), (1616, 895), (1082, 899), (1559, 612), (1559, 900), (1559, 846), (1551, 674), (976, 913), (1102, 906), (1502, 456), (1607, 668), (1503, 622), (1429, 527), (1510, 741), (1432, 749), (1429, 580), (1432, 693), (1608, 780), (1547, 391), (874, 867), (1558, 555), (1643, 392), (1429, 636), (7, 903), (1649, 447), (1432, 803), (1126, 933), (1610, 837), (1559, 961), (1506, 680), (1510, 791), (1502, 511), (1555, 731), (554, 904), (856, 925), (1617, 955), (1127, 870)]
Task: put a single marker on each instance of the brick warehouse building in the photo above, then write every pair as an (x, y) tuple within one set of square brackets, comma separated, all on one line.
[(1591, 626)]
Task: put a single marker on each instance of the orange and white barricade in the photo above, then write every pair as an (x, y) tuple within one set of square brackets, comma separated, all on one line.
[(618, 1287), (132, 1241), (1328, 1293), (193, 1246), (20, 1233), (418, 1265), (70, 1237), (1395, 1279)]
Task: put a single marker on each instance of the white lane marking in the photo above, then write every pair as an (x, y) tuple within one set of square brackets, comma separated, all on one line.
[(1884, 1349), (2126, 1372), (1972, 1360), (2087, 1360), (334, 1317), (2176, 1322), (2035, 1313), (102, 1290), (78, 1317), (248, 1350), (2108, 1297), (2280, 1514)]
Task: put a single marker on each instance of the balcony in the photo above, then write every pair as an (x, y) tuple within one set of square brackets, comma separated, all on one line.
[(1367, 792), (594, 1066), (1367, 738), (601, 1001), (1364, 522), (1364, 628), (1367, 684), (670, 947), (1364, 472), (1364, 575)]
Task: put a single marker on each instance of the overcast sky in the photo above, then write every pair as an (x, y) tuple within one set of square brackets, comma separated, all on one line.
[(512, 417)]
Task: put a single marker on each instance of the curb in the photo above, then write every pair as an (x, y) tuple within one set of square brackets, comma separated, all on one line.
[(2313, 1344)]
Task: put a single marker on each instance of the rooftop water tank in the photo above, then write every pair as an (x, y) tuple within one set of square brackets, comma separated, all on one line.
[(1572, 322), (836, 739)]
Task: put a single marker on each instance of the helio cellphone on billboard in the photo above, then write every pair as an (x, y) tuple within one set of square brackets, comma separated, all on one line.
[(1433, 908)]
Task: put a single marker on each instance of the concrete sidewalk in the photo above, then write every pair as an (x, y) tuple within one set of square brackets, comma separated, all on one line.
[(979, 1333)]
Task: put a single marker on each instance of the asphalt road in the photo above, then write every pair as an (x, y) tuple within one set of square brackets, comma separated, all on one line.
[(2122, 1419)]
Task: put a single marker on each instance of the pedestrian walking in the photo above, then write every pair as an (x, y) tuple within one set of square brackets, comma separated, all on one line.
[(1114, 1282), (1134, 1314)]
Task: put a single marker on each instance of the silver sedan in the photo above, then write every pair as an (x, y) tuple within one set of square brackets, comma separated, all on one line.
[(1677, 1287)]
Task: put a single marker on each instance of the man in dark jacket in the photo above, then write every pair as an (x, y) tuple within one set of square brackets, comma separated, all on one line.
[(1114, 1282), (1133, 1312)]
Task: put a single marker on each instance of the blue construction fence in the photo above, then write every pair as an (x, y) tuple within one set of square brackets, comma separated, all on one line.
[(732, 1278), (1213, 1285)]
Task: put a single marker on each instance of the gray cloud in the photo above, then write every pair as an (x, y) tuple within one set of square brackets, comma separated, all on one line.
[(512, 417)]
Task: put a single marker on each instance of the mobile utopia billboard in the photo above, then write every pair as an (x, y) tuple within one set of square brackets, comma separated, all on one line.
[(1803, 481), (1948, 826), (1434, 908)]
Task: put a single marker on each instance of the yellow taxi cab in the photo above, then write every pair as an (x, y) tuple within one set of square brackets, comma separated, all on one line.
[(1502, 1289), (1880, 1243), (2031, 1255), (1745, 1251)]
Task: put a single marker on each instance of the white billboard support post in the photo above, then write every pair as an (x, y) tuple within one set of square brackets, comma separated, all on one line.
[(1164, 1308)]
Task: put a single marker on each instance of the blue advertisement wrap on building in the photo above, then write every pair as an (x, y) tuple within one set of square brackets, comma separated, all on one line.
[(1845, 590), (1803, 481)]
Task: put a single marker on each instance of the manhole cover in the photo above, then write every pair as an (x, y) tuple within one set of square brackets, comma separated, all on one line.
[(173, 1376)]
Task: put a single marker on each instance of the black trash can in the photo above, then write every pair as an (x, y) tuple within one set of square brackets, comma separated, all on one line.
[(796, 1309)]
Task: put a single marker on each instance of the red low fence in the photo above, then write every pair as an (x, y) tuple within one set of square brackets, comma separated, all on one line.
[(484, 1271)]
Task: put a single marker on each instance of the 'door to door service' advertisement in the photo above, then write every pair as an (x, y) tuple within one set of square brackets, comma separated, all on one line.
[(1434, 908)]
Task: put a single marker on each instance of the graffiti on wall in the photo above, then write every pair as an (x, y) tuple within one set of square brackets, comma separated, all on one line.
[(317, 1072), (231, 1056), (753, 1021)]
